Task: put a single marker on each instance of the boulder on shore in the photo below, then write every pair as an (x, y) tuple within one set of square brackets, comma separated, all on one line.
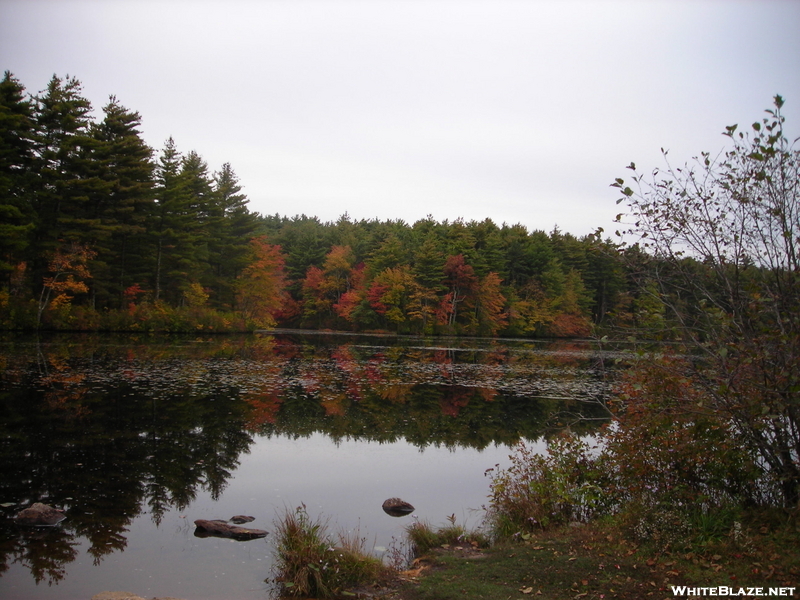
[(40, 514), (396, 507), (223, 529)]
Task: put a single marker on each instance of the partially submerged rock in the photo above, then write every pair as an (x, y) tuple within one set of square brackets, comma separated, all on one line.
[(41, 515), (218, 528), (397, 507), (239, 519)]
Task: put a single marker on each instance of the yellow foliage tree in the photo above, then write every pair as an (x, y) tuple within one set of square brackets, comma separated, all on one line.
[(68, 269), (262, 286)]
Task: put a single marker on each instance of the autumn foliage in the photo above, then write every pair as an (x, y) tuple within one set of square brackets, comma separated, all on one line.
[(261, 289)]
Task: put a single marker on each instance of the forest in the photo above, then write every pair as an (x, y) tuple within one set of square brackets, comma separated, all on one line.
[(101, 232)]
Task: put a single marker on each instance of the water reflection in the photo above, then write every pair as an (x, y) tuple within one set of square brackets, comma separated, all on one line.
[(111, 429)]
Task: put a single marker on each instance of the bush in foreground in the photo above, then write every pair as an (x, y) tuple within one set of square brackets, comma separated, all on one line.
[(424, 537), (310, 562), (539, 491)]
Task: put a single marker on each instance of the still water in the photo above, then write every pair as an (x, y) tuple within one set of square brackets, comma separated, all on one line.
[(135, 438)]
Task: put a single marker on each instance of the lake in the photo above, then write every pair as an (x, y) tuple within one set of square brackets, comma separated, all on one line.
[(137, 437)]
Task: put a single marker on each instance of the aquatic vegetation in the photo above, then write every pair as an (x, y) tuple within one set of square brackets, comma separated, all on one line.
[(312, 562)]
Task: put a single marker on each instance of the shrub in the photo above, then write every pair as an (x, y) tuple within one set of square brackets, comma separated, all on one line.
[(309, 562), (680, 469), (538, 491), (667, 443), (670, 470)]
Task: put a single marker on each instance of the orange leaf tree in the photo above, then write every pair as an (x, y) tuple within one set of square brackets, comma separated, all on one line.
[(67, 270), (262, 285)]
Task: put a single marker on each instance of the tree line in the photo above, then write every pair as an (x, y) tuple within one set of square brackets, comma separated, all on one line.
[(100, 231), (97, 231)]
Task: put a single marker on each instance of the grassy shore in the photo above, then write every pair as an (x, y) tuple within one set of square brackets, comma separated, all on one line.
[(596, 561)]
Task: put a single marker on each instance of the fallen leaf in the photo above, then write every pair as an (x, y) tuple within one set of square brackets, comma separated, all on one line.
[(527, 590)]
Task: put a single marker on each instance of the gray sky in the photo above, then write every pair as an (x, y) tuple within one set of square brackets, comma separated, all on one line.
[(522, 112)]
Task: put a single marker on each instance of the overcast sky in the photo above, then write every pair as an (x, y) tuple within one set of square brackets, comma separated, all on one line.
[(522, 112)]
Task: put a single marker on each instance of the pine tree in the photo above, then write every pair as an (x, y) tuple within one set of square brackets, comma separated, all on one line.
[(391, 253), (489, 249), (119, 208), (428, 270), (304, 241), (173, 226), (231, 229), (16, 159), (202, 213), (62, 145)]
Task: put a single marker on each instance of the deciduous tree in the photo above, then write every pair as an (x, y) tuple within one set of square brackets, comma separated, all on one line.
[(724, 237), (262, 286), (67, 275)]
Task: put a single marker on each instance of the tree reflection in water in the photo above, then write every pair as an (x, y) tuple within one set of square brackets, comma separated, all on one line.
[(111, 428)]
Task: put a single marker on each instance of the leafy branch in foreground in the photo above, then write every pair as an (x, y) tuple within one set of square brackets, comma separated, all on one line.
[(723, 237)]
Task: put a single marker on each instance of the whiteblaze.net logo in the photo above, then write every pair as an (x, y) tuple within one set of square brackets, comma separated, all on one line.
[(684, 591)]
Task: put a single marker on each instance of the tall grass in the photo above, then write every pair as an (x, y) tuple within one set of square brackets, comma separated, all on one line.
[(424, 537), (313, 563)]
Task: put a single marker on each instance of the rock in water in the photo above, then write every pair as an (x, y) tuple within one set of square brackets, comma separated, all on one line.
[(239, 519), (397, 507), (40, 514), (222, 529)]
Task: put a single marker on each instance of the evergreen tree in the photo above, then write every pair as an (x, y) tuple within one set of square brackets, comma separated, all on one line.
[(304, 240), (174, 228), (16, 158), (120, 207), (62, 148), (391, 253), (459, 239), (231, 229), (428, 271), (489, 254), (517, 249), (605, 277)]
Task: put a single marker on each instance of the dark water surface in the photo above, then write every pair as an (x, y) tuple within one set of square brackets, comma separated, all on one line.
[(135, 438)]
